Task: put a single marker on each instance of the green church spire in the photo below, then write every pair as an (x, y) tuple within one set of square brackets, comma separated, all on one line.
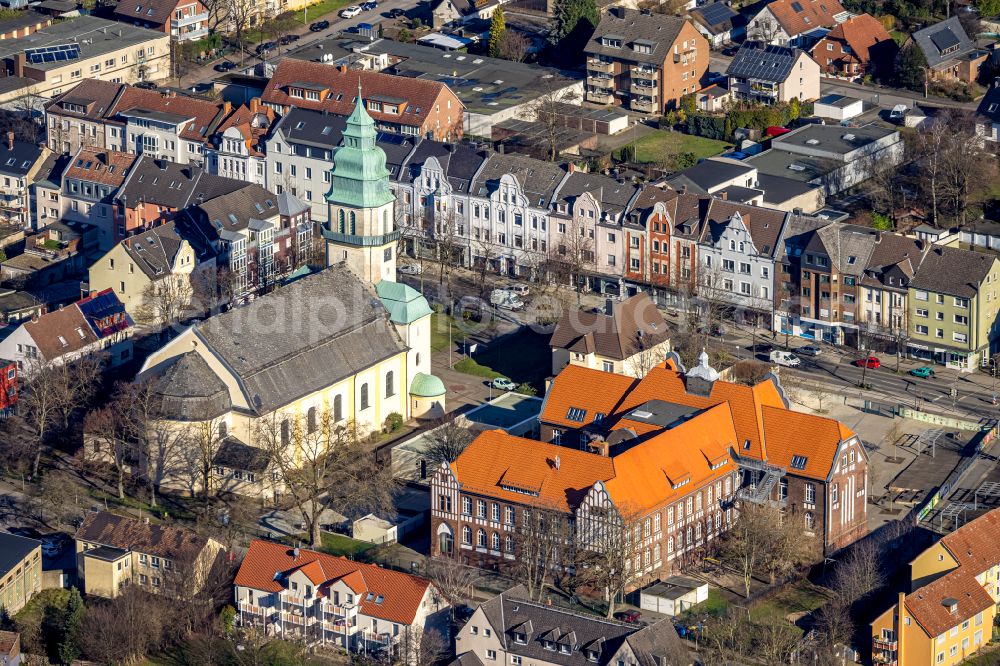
[(359, 178)]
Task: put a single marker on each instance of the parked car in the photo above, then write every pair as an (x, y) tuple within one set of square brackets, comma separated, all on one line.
[(787, 359), (51, 545), (630, 616), (730, 51), (520, 290), (925, 372), (265, 47), (868, 362), (350, 12), (808, 350), (503, 384), (319, 26), (410, 269), (288, 39), (396, 12), (368, 6), (224, 66), (145, 85)]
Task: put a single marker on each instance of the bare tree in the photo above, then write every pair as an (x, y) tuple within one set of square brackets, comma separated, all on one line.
[(104, 435), (547, 112), (455, 582), (483, 255), (750, 372), (514, 46), (239, 14), (543, 544), (418, 646), (571, 254), (760, 542), (124, 630), (860, 572), (165, 301), (610, 550), (447, 441), (646, 357)]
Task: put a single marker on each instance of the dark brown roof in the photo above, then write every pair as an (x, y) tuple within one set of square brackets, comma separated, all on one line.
[(151, 11), (635, 324), (416, 97), (96, 165), (205, 115), (948, 270), (895, 256), (61, 332), (173, 543), (95, 95), (764, 224), (631, 26)]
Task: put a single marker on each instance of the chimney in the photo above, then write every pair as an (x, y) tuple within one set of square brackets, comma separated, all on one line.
[(19, 61), (556, 462), (295, 554), (609, 306), (255, 105), (684, 189), (227, 108), (571, 167), (342, 68), (601, 448), (500, 148), (724, 195), (10, 141)]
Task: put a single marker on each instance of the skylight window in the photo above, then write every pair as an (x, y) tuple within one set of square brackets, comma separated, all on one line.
[(576, 414), (799, 462)]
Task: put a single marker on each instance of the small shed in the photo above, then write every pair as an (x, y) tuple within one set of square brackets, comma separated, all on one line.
[(838, 107), (673, 596)]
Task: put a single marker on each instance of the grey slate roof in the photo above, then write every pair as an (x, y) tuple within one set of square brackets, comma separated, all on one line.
[(632, 25), (17, 158), (13, 549), (708, 174), (312, 128), (948, 270), (799, 230), (460, 162), (188, 389), (763, 224), (173, 185), (234, 454), (539, 179), (763, 63), (849, 246), (935, 40), (613, 196), (289, 204), (51, 171), (235, 211), (989, 105), (510, 612), (155, 250), (893, 261), (303, 337)]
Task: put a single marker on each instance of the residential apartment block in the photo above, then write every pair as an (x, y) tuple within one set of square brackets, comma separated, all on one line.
[(644, 61), (884, 285), (113, 552), (183, 20), (20, 571), (947, 613), (302, 594), (19, 162)]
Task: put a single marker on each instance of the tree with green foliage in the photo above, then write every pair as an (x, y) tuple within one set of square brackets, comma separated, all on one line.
[(988, 8), (794, 108), (881, 222), (575, 23), (910, 70), (498, 30), (68, 646)]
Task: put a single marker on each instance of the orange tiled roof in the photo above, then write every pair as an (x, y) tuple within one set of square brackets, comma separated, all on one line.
[(600, 394), (784, 430), (974, 544), (645, 474), (496, 464), (861, 33), (814, 14), (927, 607), (401, 592), (242, 119)]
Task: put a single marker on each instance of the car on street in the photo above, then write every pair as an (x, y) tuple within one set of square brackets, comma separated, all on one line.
[(785, 358), (288, 39), (319, 26), (503, 384), (145, 85), (265, 47), (867, 362), (224, 66), (350, 12), (730, 51), (368, 6), (396, 12), (519, 290), (410, 269), (809, 350), (924, 372), (630, 616)]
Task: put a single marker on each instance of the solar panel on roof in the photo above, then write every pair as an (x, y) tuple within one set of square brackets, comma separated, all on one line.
[(944, 39), (797, 7), (717, 13), (60, 52)]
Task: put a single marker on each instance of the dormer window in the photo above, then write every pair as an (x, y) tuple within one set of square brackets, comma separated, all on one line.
[(520, 639), (295, 92), (549, 645), (612, 41), (592, 655), (565, 648)]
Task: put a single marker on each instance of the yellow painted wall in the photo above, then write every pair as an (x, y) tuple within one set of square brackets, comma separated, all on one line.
[(953, 639), (930, 565)]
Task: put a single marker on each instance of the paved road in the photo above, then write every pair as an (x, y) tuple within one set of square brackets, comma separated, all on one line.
[(887, 98)]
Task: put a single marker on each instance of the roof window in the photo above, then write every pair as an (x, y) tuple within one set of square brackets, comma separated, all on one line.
[(576, 414), (799, 462)]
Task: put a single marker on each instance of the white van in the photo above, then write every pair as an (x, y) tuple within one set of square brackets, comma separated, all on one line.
[(785, 358)]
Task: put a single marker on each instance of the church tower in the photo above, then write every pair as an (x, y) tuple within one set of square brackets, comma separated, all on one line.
[(361, 228)]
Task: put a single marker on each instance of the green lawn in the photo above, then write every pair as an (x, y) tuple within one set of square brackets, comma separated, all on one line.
[(524, 357), (338, 544), (658, 145), (470, 367), (440, 323), (35, 608), (798, 597), (714, 606), (319, 10)]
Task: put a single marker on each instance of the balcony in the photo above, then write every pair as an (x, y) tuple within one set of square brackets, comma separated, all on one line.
[(189, 20), (192, 35), (255, 610), (643, 105), (603, 82), (600, 97), (643, 71), (643, 89), (594, 65), (763, 89), (343, 610), (685, 56), (378, 638)]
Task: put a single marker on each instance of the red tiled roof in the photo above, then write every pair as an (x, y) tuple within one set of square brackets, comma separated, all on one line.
[(783, 430), (798, 16), (206, 115), (242, 119), (975, 544), (862, 33), (150, 11), (401, 593), (104, 167), (416, 97)]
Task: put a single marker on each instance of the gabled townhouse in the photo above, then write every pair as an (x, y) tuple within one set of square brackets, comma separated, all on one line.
[(628, 337), (822, 265), (673, 223), (719, 22), (20, 161), (858, 46), (512, 629), (952, 308), (90, 189), (20, 571), (769, 74), (46, 191), (510, 212), (587, 227), (138, 268), (946, 614), (76, 119), (950, 53), (398, 104), (95, 325), (114, 552), (884, 286), (156, 190), (736, 259), (821, 482), (644, 61), (795, 22), (238, 147), (434, 191), (299, 593), (183, 20)]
